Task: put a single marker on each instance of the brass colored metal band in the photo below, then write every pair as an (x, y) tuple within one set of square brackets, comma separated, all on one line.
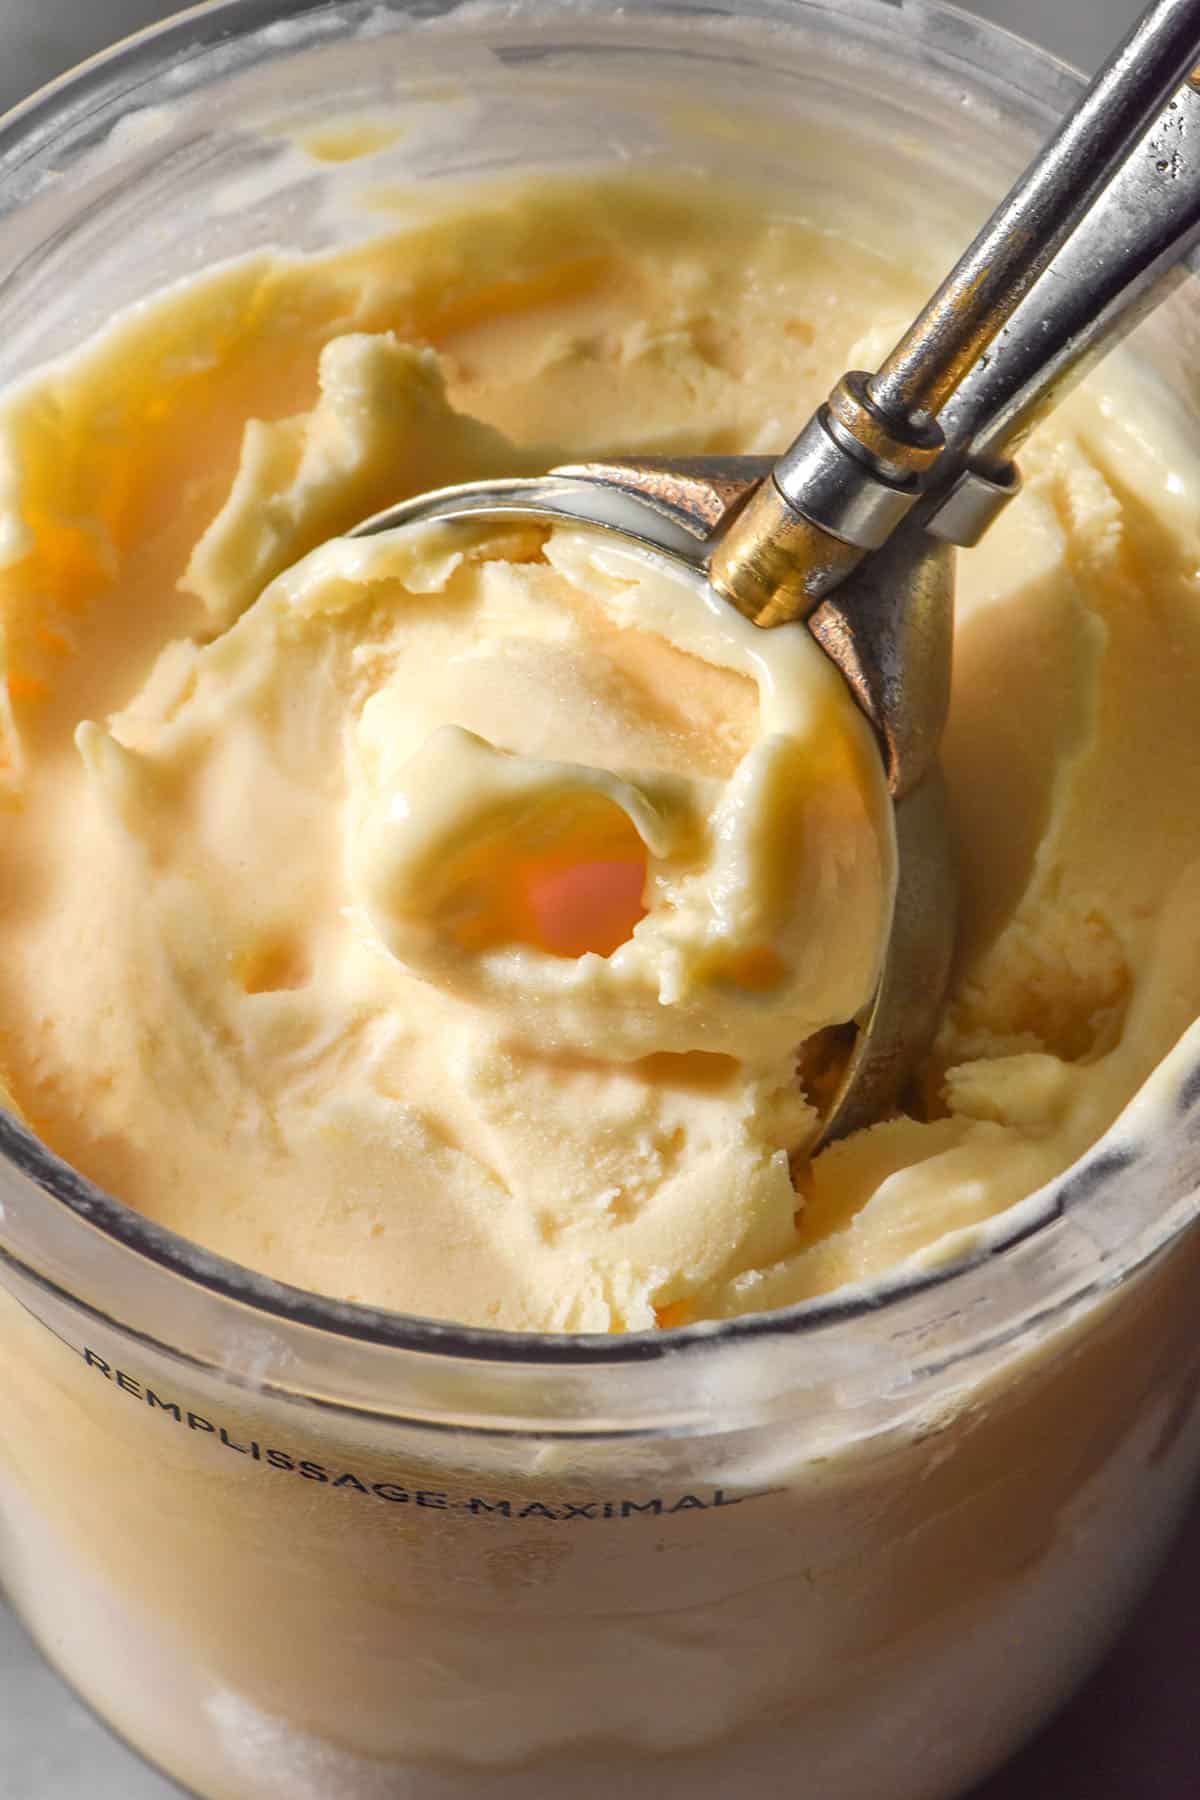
[(773, 564)]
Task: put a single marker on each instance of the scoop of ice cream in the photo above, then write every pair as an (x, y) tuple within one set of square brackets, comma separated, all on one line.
[(615, 814)]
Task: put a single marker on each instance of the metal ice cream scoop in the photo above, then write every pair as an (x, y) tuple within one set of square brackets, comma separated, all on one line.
[(852, 529)]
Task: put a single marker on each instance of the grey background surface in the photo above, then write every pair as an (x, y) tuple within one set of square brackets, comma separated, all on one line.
[(50, 1748), (38, 38)]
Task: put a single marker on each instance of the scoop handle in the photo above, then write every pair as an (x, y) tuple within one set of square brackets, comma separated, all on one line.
[(1045, 207), (877, 447), (1121, 261)]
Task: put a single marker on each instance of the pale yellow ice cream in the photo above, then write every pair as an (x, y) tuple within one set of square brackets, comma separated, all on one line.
[(435, 922), (294, 957)]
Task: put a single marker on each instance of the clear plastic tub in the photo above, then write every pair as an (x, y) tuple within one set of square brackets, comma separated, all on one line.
[(288, 1547)]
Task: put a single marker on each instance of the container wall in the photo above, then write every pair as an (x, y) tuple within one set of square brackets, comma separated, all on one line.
[(267, 1595)]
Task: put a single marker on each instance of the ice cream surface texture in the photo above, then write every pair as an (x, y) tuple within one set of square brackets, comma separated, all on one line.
[(434, 920)]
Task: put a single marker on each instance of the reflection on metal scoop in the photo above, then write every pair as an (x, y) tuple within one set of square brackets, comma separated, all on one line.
[(851, 531)]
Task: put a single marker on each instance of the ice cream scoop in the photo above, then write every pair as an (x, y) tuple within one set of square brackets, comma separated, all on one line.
[(852, 529)]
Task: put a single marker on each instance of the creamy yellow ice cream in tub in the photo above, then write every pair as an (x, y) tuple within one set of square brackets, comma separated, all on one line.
[(321, 1544)]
